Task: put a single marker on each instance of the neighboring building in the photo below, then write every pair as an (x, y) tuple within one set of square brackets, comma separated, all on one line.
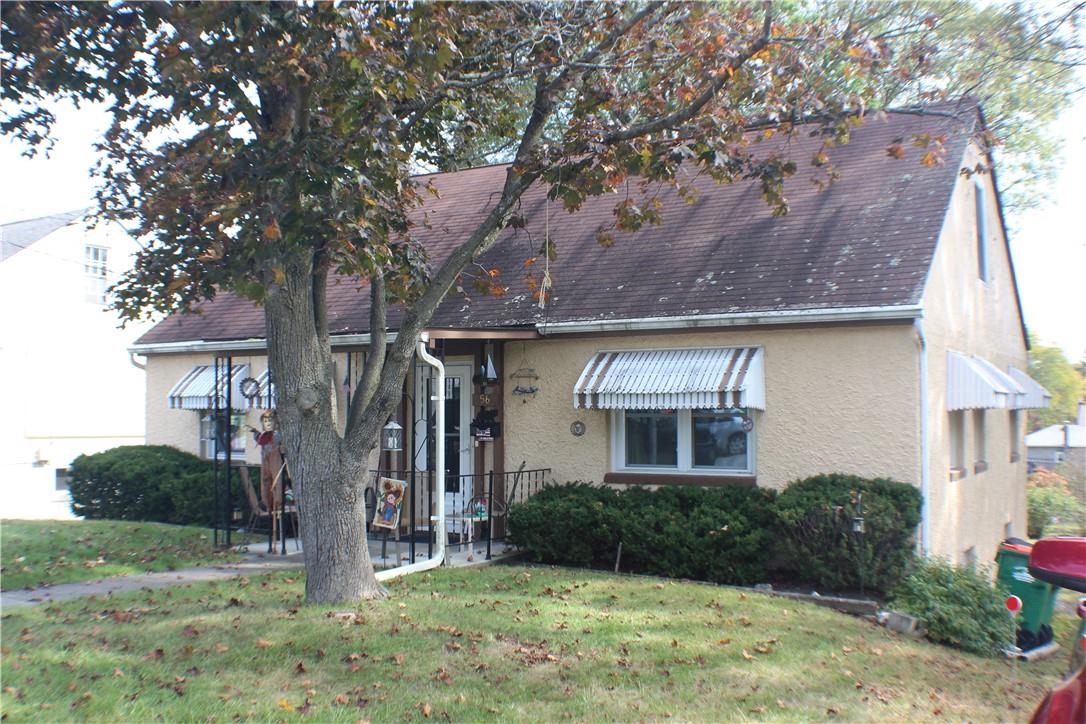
[(1055, 444), (876, 329), (69, 384)]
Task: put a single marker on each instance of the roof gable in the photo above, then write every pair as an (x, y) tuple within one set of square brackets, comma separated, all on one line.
[(19, 235)]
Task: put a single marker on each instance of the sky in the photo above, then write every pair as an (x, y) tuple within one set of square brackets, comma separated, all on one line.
[(1048, 244)]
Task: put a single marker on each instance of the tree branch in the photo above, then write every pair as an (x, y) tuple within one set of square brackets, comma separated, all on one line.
[(689, 111), (375, 357), (172, 13)]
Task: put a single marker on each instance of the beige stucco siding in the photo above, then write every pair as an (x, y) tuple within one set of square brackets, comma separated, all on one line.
[(979, 317), (838, 399)]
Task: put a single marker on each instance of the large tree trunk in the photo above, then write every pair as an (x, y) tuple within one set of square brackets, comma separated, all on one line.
[(328, 476)]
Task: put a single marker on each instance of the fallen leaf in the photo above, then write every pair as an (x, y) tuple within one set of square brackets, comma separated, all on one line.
[(221, 648), (190, 631), (285, 705), (399, 659), (427, 710), (299, 668), (342, 699), (263, 644)]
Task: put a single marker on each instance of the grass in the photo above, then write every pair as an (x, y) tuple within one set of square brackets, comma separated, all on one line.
[(41, 553), (498, 643)]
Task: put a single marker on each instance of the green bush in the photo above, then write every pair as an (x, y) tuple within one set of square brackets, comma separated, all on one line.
[(153, 483), (959, 605), (715, 534), (572, 525), (1052, 507), (817, 543)]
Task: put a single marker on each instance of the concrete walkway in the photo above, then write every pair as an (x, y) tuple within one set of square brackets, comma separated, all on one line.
[(254, 562), (251, 564)]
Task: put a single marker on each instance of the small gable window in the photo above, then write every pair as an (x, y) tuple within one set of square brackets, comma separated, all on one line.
[(982, 231)]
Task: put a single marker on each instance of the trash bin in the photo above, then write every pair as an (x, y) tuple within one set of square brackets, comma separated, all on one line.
[(1038, 597)]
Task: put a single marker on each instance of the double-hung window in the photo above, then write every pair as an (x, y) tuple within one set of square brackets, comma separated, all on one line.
[(96, 269), (683, 441)]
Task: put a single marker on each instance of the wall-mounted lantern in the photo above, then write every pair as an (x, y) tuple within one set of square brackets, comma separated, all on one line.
[(392, 439)]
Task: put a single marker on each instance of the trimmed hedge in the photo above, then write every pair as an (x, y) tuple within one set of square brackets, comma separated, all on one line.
[(155, 483), (816, 539), (728, 534), (723, 535), (959, 605)]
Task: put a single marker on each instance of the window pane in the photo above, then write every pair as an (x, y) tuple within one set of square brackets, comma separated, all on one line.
[(652, 439), (719, 440)]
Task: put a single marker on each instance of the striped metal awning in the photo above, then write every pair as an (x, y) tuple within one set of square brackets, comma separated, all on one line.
[(974, 383), (670, 379), (197, 389), (1035, 395)]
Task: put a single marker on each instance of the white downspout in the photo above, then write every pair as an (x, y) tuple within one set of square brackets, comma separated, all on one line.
[(925, 453), (438, 472)]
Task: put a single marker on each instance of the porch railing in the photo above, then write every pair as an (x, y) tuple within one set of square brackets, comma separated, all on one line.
[(479, 500)]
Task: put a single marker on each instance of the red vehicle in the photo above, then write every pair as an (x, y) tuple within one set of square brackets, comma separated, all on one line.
[(1062, 562)]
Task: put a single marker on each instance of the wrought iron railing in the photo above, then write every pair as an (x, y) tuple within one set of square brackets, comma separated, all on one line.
[(479, 500)]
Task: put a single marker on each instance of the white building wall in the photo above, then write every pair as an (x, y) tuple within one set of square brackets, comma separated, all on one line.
[(69, 387)]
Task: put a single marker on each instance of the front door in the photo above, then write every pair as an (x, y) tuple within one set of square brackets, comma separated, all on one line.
[(459, 460), (458, 448)]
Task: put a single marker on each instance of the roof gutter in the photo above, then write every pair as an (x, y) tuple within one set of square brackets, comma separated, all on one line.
[(242, 345), (737, 319)]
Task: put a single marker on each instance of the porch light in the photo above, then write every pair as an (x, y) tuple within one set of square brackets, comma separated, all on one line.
[(392, 439)]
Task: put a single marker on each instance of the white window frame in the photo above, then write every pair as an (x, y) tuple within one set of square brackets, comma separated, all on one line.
[(96, 268), (209, 446), (685, 442)]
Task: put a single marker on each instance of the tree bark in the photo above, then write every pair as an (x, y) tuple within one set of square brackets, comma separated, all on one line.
[(328, 477)]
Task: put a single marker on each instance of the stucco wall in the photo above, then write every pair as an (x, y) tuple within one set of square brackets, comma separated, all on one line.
[(840, 399), (971, 316)]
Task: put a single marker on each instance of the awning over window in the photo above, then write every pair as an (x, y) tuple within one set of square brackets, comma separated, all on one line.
[(197, 389), (974, 383), (1035, 395), (669, 379)]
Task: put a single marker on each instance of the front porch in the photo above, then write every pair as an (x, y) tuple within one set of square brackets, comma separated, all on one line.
[(476, 511)]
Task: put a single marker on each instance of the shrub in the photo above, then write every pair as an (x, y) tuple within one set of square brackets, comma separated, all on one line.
[(722, 535), (573, 525), (143, 482), (959, 605), (816, 539), (1052, 507)]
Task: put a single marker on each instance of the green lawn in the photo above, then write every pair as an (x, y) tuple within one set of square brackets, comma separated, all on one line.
[(36, 553), (498, 643)]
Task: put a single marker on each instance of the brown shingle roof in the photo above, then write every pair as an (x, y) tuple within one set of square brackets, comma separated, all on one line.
[(865, 241)]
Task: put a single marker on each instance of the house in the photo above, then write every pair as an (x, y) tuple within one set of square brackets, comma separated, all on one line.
[(71, 386), (876, 329), (1056, 444)]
